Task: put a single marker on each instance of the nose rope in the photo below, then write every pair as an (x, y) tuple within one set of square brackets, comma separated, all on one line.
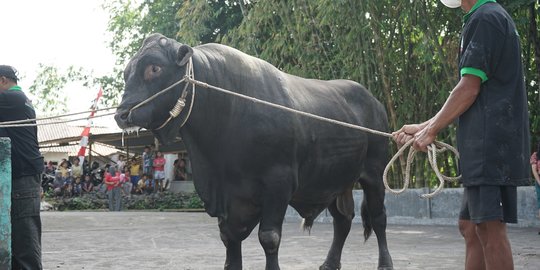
[(180, 103)]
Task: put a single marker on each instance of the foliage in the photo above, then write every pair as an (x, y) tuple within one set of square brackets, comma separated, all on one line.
[(159, 201), (195, 202), (49, 81)]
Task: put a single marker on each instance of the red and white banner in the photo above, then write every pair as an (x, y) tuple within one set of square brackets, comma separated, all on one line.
[(86, 131)]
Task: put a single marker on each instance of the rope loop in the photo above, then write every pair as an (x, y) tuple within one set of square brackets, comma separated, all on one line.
[(433, 150)]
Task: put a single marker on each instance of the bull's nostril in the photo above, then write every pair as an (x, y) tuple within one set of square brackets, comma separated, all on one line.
[(124, 116)]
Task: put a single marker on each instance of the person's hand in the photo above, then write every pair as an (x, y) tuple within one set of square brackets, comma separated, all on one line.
[(405, 133), (423, 138)]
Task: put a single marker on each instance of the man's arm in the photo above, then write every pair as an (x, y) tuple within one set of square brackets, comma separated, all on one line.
[(459, 101), (535, 173)]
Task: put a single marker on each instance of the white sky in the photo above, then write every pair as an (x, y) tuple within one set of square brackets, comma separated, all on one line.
[(59, 33)]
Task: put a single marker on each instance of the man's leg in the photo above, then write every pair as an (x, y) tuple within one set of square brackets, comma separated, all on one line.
[(26, 223), (111, 198), (474, 253), (497, 250)]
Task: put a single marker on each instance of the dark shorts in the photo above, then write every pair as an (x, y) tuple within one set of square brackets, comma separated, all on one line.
[(537, 187), (26, 223), (488, 203)]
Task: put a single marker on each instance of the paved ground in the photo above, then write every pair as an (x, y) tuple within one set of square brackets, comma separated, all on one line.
[(172, 240)]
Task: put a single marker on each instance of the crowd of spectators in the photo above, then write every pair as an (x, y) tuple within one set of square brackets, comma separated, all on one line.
[(142, 174)]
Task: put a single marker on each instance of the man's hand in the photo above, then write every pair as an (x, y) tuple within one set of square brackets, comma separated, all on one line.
[(406, 133), (422, 135), (423, 138)]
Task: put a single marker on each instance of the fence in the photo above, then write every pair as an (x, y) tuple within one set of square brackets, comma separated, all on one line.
[(5, 204), (409, 209)]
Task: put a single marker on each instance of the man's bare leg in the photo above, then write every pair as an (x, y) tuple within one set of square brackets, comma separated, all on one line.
[(497, 249), (474, 253)]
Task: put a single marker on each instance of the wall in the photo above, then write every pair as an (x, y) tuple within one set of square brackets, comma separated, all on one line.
[(409, 208)]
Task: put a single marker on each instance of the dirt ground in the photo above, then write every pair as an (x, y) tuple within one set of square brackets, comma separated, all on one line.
[(176, 240)]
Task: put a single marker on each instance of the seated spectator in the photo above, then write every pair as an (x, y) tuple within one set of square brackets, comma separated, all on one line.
[(141, 184), (58, 183), (149, 184), (180, 170), (77, 187), (76, 169), (65, 174), (50, 169), (87, 185)]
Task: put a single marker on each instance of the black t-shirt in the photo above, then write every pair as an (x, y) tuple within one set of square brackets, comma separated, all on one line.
[(25, 156), (493, 135)]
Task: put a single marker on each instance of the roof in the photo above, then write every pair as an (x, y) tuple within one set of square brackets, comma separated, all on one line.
[(73, 149), (59, 132), (69, 134)]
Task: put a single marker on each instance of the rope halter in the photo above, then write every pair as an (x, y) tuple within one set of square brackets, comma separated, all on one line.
[(180, 103)]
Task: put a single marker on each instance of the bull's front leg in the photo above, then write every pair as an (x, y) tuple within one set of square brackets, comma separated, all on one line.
[(277, 194), (233, 246)]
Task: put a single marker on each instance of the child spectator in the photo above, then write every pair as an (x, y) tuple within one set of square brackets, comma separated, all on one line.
[(87, 185), (159, 171), (127, 186), (65, 176), (147, 160), (149, 184), (76, 169), (77, 187), (141, 184), (134, 171)]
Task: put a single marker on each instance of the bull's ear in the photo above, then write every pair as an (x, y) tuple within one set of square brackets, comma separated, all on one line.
[(183, 54)]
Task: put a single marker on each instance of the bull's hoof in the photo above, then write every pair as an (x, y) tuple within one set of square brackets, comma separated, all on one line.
[(327, 266), (385, 268)]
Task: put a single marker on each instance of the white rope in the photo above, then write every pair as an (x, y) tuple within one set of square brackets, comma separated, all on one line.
[(433, 149), (2, 124), (7, 125)]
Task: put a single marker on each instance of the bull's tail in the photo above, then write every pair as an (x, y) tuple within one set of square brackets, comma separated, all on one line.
[(307, 223), (366, 220)]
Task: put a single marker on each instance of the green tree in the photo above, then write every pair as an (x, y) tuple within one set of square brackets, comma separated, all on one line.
[(49, 100)]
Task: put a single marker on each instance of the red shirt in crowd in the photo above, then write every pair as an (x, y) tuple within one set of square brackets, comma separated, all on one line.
[(159, 164), (112, 181)]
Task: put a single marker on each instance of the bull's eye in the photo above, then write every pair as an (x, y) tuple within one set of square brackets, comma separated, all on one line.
[(151, 72)]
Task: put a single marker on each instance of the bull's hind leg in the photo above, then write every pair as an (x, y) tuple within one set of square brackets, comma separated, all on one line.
[(342, 211), (374, 216)]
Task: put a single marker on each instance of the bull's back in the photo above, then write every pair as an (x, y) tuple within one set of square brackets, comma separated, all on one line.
[(331, 157), (327, 157)]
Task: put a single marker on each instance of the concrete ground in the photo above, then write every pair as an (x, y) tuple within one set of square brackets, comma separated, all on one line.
[(175, 240)]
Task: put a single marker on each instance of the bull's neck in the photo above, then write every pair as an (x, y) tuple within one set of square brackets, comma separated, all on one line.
[(211, 110)]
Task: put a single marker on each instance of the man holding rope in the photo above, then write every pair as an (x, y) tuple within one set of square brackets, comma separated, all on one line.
[(490, 104), (27, 166)]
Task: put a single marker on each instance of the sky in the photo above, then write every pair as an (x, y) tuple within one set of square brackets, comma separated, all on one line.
[(60, 33)]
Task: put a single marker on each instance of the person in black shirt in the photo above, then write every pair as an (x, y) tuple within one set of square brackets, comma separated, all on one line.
[(27, 166), (490, 104)]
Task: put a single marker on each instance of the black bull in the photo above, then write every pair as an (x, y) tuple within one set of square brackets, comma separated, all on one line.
[(251, 161)]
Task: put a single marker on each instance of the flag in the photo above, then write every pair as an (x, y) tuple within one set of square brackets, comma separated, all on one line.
[(86, 131)]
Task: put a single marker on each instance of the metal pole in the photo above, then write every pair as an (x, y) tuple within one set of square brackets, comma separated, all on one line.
[(5, 204)]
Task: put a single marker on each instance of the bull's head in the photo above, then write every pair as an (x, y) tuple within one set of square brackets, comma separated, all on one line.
[(158, 64)]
